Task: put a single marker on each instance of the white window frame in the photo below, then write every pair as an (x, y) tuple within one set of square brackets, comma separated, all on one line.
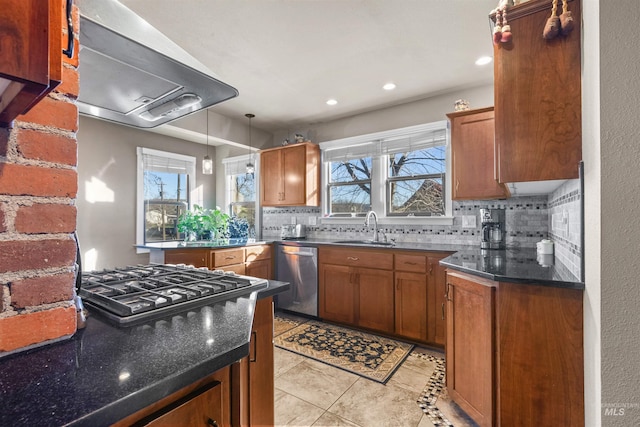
[(243, 160), (195, 197), (378, 175)]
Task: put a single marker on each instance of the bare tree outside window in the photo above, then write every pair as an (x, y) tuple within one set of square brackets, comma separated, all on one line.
[(415, 184), (165, 199), (243, 197)]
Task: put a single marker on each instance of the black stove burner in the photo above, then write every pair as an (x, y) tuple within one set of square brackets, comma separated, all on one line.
[(132, 294)]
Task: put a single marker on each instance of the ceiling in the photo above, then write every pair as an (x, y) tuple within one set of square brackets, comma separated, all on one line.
[(288, 57)]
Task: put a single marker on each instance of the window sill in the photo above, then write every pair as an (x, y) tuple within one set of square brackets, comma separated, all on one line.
[(402, 220)]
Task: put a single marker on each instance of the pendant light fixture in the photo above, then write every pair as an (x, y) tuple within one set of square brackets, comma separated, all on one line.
[(250, 167), (207, 163)]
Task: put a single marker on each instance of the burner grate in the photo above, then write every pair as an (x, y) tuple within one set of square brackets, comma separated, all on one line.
[(130, 294)]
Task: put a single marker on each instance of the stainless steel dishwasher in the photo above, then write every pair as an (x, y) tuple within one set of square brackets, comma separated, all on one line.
[(298, 265)]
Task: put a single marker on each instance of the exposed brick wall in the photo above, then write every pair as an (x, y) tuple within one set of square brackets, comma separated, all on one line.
[(38, 187)]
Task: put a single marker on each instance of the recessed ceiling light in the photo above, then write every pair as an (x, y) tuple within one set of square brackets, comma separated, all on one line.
[(389, 86), (332, 102), (483, 60)]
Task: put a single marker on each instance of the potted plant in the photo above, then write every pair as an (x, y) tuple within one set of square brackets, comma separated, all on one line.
[(202, 224)]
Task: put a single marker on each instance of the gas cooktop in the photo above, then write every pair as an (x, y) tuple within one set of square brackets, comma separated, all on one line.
[(135, 294)]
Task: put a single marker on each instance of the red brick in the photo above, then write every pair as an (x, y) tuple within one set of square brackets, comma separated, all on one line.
[(33, 328), (33, 144), (4, 141), (70, 85), (53, 112), (26, 180), (42, 290), (46, 218), (18, 255)]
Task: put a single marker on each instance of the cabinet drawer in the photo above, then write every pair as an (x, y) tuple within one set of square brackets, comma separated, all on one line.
[(236, 268), (412, 263), (257, 253), (358, 258), (227, 257)]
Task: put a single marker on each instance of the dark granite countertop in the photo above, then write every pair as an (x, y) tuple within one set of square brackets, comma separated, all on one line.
[(104, 373), (514, 266), (211, 244), (518, 265)]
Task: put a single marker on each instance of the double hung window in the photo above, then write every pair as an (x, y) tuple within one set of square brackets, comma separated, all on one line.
[(398, 173), (240, 189), (165, 184)]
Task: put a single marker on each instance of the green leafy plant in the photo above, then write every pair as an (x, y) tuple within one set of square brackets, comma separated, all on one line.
[(200, 222)]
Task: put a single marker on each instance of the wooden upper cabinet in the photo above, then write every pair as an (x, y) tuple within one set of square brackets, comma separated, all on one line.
[(537, 98), (472, 156), (31, 53), (290, 175)]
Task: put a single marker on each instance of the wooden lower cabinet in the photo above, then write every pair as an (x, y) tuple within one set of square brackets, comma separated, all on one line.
[(254, 261), (336, 293), (436, 311), (470, 346), (411, 305), (204, 403), (514, 352), (254, 393), (374, 303), (396, 292)]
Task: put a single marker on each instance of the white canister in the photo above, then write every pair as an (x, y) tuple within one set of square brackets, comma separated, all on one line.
[(545, 247)]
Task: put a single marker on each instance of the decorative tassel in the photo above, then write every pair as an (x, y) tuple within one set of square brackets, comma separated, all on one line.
[(566, 19), (552, 28), (506, 28), (497, 30)]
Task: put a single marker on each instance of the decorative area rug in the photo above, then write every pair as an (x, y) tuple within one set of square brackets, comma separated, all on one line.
[(367, 355)]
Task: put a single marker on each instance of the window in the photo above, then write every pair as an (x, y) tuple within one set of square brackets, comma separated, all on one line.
[(399, 173), (349, 189), (240, 189), (165, 183)]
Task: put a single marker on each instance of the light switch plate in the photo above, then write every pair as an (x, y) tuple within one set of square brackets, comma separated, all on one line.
[(468, 221), (293, 220)]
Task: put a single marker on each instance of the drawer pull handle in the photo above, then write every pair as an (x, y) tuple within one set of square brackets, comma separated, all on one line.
[(230, 257), (212, 422), (442, 311), (353, 258), (410, 263)]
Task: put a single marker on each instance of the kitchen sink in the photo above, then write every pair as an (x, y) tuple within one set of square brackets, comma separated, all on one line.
[(364, 242)]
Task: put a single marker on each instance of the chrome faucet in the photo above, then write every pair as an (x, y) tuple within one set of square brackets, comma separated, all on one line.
[(375, 224)]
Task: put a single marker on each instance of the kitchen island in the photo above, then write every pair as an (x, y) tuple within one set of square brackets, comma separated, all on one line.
[(105, 373)]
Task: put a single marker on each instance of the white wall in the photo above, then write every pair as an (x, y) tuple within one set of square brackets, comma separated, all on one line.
[(413, 113), (107, 155), (619, 233)]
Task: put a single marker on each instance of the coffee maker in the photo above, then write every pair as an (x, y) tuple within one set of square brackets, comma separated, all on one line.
[(493, 230)]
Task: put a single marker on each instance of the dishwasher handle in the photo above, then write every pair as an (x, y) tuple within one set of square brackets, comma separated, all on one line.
[(298, 253)]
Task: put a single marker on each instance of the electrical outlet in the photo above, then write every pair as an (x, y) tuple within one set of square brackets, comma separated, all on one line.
[(468, 221), (313, 220), (293, 220)]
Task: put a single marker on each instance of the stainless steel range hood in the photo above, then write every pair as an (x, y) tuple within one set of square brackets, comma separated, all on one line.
[(131, 73)]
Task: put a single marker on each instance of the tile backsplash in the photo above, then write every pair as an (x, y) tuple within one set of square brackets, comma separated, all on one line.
[(526, 223), (529, 219)]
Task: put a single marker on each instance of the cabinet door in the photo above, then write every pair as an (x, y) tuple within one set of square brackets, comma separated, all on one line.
[(538, 99), (375, 299), (294, 169), (470, 347), (261, 269), (271, 173), (204, 409), (195, 257), (472, 156), (411, 305), (261, 368), (437, 277), (336, 293)]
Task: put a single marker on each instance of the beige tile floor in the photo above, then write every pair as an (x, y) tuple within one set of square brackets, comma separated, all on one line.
[(310, 393)]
